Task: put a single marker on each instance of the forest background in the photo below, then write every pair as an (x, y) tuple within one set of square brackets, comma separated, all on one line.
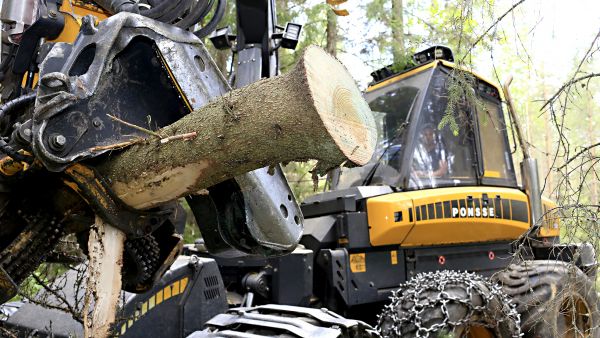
[(550, 47)]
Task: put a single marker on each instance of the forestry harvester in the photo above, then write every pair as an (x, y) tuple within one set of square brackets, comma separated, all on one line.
[(439, 196), (440, 193)]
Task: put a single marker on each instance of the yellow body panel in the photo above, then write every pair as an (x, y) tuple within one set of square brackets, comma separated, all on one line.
[(75, 10), (447, 216), (393, 218)]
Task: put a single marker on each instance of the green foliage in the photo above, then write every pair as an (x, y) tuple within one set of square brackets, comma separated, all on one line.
[(406, 61), (302, 181), (314, 20), (445, 334), (191, 232), (46, 272), (461, 97)]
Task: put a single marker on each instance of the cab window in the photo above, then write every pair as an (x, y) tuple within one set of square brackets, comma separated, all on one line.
[(441, 155), (497, 163)]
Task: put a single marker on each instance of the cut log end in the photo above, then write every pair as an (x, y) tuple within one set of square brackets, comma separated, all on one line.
[(345, 114)]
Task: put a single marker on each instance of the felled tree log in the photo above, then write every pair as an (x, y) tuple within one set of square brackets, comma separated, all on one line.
[(313, 112)]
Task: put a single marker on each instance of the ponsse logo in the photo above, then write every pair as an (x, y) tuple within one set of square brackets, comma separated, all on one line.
[(473, 212)]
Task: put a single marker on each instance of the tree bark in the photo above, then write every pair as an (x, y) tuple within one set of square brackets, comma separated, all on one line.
[(591, 131), (221, 58), (548, 146), (313, 112), (397, 31), (332, 36)]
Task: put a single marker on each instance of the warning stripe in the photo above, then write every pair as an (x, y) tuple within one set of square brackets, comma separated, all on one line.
[(160, 296)]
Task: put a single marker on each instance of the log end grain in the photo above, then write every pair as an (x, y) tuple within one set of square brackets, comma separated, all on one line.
[(345, 114)]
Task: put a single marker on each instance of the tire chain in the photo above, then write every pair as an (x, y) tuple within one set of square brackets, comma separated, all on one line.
[(415, 292)]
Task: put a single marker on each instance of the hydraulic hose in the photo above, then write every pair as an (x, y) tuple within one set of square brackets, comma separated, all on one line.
[(212, 25), (16, 103), (176, 12), (169, 11), (196, 14), (6, 109), (164, 6), (116, 6)]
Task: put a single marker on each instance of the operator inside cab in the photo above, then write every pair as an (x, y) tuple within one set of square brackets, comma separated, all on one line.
[(430, 159), (431, 135)]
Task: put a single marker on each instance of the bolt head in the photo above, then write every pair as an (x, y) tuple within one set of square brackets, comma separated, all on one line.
[(60, 140), (57, 142)]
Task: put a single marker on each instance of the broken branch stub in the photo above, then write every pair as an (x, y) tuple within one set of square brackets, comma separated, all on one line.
[(313, 112)]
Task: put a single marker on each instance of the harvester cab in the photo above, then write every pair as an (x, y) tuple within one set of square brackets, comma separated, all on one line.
[(444, 148)]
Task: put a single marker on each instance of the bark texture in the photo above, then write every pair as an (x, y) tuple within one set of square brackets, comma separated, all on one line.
[(398, 30), (104, 278), (313, 112), (332, 34)]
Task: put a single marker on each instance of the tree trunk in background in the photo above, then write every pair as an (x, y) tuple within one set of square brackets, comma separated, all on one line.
[(281, 7), (548, 146), (332, 35), (221, 58), (592, 137), (397, 31), (528, 122)]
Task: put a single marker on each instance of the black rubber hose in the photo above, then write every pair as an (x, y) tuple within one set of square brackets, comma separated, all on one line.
[(212, 25), (16, 103), (177, 12), (163, 7), (196, 14), (12, 153), (8, 108), (116, 6)]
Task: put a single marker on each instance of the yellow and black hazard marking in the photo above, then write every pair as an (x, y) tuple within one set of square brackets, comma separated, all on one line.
[(162, 295)]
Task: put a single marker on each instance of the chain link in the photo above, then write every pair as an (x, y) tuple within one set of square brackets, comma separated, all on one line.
[(433, 291)]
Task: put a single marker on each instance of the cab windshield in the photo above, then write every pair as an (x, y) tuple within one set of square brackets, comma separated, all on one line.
[(443, 146), (423, 144), (391, 108)]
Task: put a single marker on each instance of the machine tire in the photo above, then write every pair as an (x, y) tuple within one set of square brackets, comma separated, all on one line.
[(547, 294), (449, 302)]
